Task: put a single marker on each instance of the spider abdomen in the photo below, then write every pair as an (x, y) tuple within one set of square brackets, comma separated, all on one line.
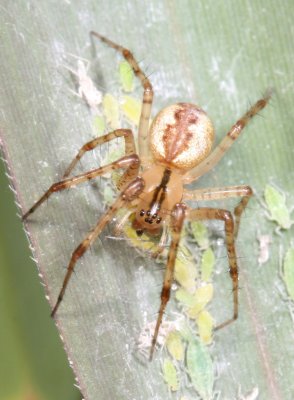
[(181, 136)]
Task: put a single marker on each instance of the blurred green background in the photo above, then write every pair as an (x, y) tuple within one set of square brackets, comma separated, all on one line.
[(33, 364)]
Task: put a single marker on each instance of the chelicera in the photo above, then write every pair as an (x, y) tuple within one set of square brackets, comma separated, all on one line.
[(173, 152)]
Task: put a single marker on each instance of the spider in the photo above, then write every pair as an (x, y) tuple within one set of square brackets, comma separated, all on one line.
[(173, 152)]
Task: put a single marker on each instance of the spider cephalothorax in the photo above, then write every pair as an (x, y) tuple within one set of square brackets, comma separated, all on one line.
[(163, 189), (181, 136), (175, 151)]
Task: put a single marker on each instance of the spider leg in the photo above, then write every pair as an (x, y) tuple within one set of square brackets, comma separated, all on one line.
[(238, 210), (132, 191), (223, 193), (147, 95), (177, 220), (226, 216), (119, 226), (127, 134), (208, 163), (162, 243), (131, 162)]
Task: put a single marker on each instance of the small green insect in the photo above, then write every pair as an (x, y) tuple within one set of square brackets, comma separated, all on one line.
[(111, 111), (131, 108), (175, 345), (185, 297), (197, 301), (207, 264), (200, 368), (143, 243), (202, 296), (276, 204), (288, 272), (205, 325), (200, 234), (185, 270), (170, 375), (126, 76)]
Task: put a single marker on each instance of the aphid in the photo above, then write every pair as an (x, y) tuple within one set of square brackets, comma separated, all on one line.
[(141, 243), (131, 108), (276, 203), (111, 110), (200, 234), (200, 368), (170, 374), (185, 297), (205, 324), (207, 264), (288, 272), (126, 75), (173, 152), (201, 298), (185, 272), (175, 345)]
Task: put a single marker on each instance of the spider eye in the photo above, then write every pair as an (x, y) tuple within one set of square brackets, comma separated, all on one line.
[(139, 232)]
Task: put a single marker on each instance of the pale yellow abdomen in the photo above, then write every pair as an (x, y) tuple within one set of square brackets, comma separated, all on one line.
[(181, 136)]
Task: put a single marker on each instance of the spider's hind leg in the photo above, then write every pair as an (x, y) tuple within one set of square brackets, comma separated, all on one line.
[(227, 218), (244, 191), (240, 208)]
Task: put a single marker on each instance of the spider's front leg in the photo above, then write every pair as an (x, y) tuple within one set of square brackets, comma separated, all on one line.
[(177, 220), (227, 218), (131, 163), (130, 193), (127, 134), (147, 95)]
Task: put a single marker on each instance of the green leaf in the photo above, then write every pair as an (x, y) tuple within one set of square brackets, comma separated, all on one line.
[(31, 355), (219, 55)]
